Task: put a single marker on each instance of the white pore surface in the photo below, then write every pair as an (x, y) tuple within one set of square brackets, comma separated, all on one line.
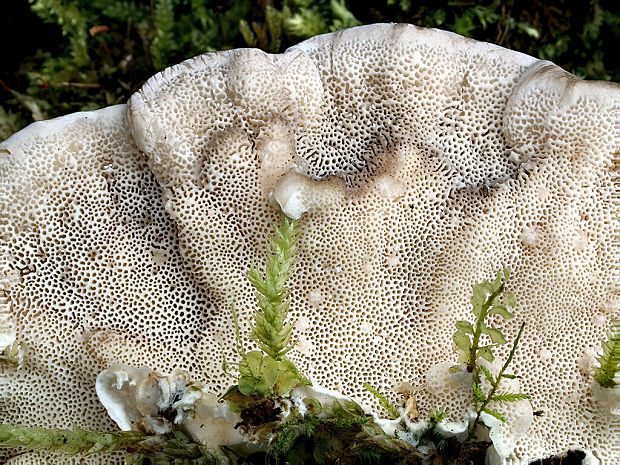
[(443, 159), (98, 278)]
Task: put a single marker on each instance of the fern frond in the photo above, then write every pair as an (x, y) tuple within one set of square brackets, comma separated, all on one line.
[(478, 394), (609, 360), (481, 401), (246, 32), (512, 352), (271, 333), (385, 403), (488, 297), (275, 25)]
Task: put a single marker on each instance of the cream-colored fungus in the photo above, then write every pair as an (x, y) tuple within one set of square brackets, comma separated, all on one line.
[(424, 162)]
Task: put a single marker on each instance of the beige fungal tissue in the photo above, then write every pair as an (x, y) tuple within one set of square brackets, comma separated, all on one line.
[(420, 163)]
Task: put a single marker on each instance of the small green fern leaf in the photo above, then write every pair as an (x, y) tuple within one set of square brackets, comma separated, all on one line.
[(487, 297), (507, 397), (385, 403), (495, 414), (478, 394), (487, 374)]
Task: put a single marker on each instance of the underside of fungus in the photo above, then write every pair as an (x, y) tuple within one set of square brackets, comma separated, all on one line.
[(421, 162)]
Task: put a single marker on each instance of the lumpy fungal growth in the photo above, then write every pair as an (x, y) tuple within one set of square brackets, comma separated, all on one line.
[(423, 162)]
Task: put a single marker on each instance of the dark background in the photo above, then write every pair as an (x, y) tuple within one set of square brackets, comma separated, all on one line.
[(63, 56)]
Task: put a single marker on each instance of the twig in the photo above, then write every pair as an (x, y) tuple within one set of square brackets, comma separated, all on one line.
[(153, 18), (10, 91), (86, 85)]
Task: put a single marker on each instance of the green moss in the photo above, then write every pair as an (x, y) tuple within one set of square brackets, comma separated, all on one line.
[(609, 360)]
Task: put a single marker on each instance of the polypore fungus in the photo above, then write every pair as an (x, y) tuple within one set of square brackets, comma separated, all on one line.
[(424, 162), (84, 229)]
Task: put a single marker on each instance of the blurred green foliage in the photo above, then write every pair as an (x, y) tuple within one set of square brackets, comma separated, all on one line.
[(93, 53)]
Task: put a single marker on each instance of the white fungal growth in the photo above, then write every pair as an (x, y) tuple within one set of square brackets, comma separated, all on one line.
[(608, 399), (530, 236), (136, 397), (544, 354), (368, 266), (297, 194), (209, 421), (581, 241), (8, 279), (587, 361), (315, 298), (121, 389), (302, 324), (304, 346), (389, 187)]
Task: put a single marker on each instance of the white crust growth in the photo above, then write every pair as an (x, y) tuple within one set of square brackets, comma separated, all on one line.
[(425, 161)]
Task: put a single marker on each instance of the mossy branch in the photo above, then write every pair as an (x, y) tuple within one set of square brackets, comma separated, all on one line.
[(359, 436), (272, 374), (73, 22), (271, 333), (176, 448), (68, 441), (163, 22), (609, 360)]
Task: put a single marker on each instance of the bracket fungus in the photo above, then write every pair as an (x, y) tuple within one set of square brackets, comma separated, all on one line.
[(422, 162)]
